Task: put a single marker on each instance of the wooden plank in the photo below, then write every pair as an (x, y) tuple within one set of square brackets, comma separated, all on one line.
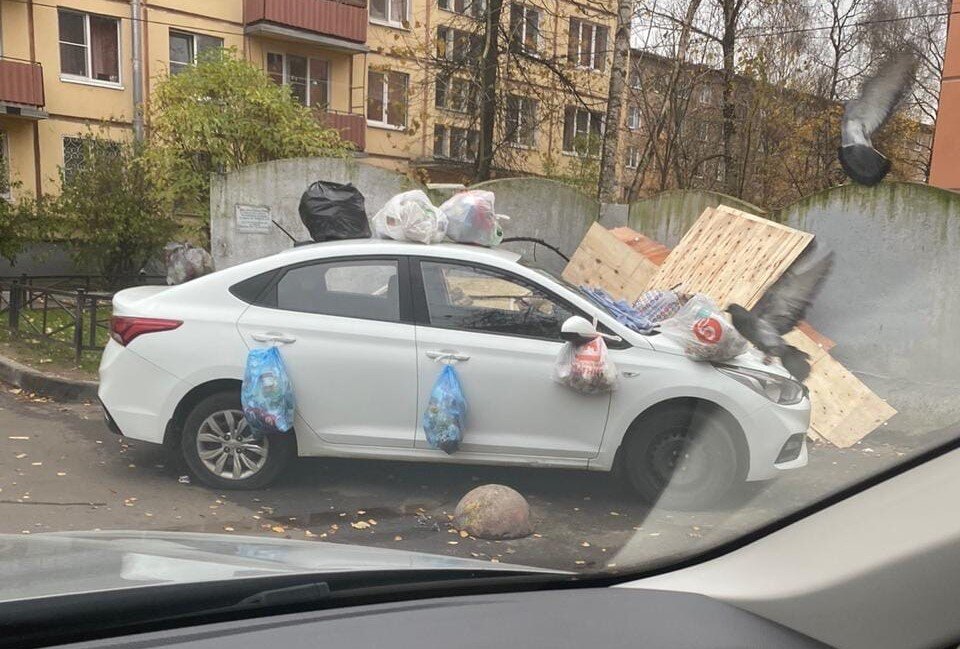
[(605, 262), (731, 256)]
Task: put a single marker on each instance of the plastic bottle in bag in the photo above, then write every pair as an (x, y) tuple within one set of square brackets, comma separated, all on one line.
[(445, 416), (410, 216), (657, 306), (586, 368), (472, 218), (267, 394), (703, 331)]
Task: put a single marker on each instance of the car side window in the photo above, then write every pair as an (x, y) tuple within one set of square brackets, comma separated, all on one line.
[(479, 299), (352, 289)]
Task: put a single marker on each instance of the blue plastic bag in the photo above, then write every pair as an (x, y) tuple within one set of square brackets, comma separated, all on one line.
[(444, 418), (266, 394)]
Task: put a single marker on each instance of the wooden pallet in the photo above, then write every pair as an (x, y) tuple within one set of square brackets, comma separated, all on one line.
[(602, 260), (731, 256)]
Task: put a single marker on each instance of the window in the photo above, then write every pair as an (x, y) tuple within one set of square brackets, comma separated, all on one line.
[(4, 166), (588, 44), (487, 301), (633, 117), (524, 28), (521, 121), (453, 93), (308, 78), (387, 98), (582, 130), (351, 289), (705, 95), (633, 157), (467, 7), (390, 12), (455, 143), (720, 173), (457, 45), (635, 80), (89, 46), (186, 47), (75, 152)]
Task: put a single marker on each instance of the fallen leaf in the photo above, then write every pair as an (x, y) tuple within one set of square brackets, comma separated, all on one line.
[(654, 534), (334, 527), (398, 538), (579, 563), (228, 529), (361, 512), (614, 513), (36, 464), (15, 391), (538, 536), (184, 479), (611, 565), (309, 534), (360, 525), (494, 560), (585, 544), (61, 473), (371, 521), (19, 437), (464, 534), (278, 529), (452, 542), (20, 456), (148, 514), (255, 517)]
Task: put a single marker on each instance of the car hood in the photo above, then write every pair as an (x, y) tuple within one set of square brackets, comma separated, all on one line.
[(43, 565), (751, 359)]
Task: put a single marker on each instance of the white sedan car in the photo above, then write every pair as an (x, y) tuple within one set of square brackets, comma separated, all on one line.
[(362, 326)]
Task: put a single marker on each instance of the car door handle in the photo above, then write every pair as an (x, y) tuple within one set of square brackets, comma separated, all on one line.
[(272, 337), (447, 355)]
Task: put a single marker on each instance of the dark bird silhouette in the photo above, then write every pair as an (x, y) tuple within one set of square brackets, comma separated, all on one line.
[(781, 308), (863, 116)]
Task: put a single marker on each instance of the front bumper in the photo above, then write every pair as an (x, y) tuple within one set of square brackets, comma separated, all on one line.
[(767, 429)]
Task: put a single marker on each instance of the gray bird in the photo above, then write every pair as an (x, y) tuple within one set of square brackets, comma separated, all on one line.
[(863, 116), (781, 308)]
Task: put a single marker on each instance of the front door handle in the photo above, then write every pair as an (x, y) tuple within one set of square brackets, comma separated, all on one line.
[(273, 337), (447, 355)]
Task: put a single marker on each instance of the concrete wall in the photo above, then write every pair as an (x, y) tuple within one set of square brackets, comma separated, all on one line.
[(668, 215), (279, 185)]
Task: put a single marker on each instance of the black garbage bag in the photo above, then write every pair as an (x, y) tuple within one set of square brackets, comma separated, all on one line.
[(333, 211)]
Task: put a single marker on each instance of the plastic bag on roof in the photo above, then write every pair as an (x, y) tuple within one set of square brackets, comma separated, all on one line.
[(586, 368), (185, 262), (267, 394), (704, 332), (332, 211), (472, 218), (445, 416), (657, 306), (410, 216)]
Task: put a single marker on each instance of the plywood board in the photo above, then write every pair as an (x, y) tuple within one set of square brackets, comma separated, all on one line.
[(731, 256), (604, 261)]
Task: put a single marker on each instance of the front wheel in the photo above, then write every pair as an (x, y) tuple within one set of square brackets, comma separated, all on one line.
[(680, 458), (222, 450)]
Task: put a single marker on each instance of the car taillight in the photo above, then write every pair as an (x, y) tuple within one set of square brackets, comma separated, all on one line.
[(123, 329)]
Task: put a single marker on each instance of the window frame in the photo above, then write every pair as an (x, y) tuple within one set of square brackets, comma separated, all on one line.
[(389, 21), (194, 47), (447, 142), (592, 115), (450, 41), (595, 30), (471, 8), (421, 310), (7, 193), (524, 105), (633, 117), (88, 50), (285, 74), (267, 297), (80, 139), (444, 86), (633, 157), (518, 41), (386, 101)]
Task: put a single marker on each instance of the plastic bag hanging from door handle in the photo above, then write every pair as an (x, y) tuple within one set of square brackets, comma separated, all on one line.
[(445, 416), (267, 393)]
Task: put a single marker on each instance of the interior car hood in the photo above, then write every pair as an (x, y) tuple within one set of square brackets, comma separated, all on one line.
[(42, 565)]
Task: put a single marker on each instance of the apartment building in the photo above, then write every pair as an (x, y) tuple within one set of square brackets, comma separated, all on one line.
[(68, 66), (945, 163)]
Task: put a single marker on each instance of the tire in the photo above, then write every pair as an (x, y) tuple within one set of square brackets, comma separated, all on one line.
[(681, 458), (243, 467)]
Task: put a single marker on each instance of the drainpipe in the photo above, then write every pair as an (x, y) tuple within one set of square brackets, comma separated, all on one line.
[(137, 70)]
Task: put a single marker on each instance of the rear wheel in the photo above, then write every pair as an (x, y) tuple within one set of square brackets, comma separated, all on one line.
[(681, 458), (222, 450)]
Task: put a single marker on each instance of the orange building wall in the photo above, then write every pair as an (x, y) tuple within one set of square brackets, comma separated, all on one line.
[(945, 164)]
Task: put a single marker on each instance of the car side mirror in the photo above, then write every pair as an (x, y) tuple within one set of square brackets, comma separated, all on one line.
[(579, 330)]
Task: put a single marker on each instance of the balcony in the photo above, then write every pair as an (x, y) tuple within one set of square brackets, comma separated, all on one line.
[(340, 25), (21, 89), (352, 127)]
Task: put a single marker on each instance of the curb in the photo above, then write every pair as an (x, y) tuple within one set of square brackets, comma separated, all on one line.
[(60, 389)]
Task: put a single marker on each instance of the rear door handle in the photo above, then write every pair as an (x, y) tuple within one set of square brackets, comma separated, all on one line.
[(273, 337), (447, 355)]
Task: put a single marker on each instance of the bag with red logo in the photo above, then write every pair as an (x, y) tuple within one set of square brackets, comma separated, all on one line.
[(586, 368), (704, 331)]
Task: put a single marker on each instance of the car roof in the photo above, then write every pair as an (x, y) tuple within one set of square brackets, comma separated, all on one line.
[(391, 247)]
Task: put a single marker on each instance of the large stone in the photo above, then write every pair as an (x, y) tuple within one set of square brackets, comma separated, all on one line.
[(494, 511)]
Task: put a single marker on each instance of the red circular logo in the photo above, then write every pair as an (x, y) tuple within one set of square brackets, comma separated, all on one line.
[(708, 330)]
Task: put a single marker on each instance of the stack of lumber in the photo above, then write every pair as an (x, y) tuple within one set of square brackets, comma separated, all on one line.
[(733, 256)]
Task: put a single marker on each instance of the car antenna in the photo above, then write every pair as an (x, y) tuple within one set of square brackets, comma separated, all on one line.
[(284, 230)]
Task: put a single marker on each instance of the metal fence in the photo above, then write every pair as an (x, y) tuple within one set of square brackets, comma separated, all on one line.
[(66, 309)]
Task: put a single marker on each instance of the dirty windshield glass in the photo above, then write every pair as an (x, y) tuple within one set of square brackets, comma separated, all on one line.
[(278, 304)]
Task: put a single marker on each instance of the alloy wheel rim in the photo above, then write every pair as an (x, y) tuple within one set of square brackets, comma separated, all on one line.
[(229, 448)]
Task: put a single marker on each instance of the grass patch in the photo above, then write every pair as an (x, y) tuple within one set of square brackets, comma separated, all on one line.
[(54, 356)]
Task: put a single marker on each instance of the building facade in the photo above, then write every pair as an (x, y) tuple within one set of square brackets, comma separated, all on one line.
[(945, 163)]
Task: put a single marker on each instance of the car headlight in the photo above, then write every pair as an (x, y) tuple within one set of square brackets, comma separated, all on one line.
[(778, 389)]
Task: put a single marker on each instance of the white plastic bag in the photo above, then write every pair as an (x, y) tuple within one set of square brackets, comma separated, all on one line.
[(586, 368), (472, 218), (410, 216), (185, 262), (704, 332)]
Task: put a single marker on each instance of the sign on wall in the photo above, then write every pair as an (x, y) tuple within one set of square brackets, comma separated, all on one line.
[(253, 219)]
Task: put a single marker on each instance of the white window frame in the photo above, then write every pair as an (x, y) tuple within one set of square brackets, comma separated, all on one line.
[(285, 56), (447, 153), (390, 21), (633, 117), (521, 112), (88, 79), (523, 31), (386, 102), (194, 47), (450, 40), (705, 96), (447, 84), (593, 44), (591, 115), (633, 157), (473, 8), (6, 194)]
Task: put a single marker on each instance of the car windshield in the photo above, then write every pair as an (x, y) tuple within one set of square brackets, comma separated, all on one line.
[(218, 360)]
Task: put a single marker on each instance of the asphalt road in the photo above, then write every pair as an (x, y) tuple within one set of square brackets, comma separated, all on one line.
[(61, 469)]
